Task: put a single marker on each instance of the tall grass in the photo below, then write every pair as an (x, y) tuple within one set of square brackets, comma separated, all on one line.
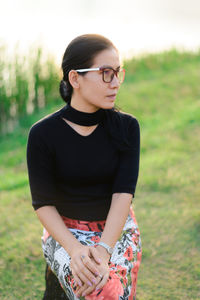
[(27, 83), (30, 82)]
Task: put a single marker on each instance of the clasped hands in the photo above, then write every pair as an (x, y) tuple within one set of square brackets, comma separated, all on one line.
[(90, 268)]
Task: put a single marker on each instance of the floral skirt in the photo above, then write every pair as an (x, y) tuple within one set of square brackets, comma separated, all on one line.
[(124, 262)]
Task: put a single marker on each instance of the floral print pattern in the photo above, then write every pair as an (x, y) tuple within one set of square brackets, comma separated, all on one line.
[(124, 262)]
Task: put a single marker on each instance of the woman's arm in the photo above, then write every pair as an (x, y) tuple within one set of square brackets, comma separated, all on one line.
[(124, 185), (52, 221), (54, 224), (119, 209)]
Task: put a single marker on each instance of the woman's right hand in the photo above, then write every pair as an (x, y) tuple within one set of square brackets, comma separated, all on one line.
[(83, 268)]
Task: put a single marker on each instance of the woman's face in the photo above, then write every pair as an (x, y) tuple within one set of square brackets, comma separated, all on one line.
[(93, 89)]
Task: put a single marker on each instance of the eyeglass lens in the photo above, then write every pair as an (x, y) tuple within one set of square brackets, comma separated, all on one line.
[(109, 74)]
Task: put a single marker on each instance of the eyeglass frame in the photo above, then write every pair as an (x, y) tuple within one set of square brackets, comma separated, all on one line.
[(102, 69)]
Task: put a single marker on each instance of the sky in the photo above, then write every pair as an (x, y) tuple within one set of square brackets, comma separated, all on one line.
[(134, 26)]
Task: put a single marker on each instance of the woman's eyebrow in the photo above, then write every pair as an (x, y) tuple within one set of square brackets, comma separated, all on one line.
[(108, 66)]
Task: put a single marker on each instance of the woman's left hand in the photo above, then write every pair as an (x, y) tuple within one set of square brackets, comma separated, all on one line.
[(100, 281)]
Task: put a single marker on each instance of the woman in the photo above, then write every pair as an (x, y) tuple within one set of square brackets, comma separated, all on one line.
[(83, 163)]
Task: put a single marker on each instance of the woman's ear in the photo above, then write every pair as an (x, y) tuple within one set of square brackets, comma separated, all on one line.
[(73, 79)]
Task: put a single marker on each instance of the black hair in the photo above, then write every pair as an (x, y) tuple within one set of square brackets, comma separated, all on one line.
[(80, 54)]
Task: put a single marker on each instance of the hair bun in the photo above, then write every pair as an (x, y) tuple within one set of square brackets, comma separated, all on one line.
[(65, 91)]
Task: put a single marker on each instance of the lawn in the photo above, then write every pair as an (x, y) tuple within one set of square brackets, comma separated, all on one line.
[(163, 92)]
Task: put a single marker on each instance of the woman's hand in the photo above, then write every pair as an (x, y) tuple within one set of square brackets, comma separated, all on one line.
[(84, 265), (101, 279)]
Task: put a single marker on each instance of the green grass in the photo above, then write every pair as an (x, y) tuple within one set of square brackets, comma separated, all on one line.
[(163, 92)]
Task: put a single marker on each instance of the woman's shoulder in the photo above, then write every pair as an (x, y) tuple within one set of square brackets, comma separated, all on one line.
[(47, 123), (128, 118)]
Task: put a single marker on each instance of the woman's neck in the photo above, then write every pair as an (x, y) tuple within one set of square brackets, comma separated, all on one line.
[(79, 104), (80, 117)]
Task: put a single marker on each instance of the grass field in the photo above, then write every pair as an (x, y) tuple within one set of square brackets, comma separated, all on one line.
[(163, 92)]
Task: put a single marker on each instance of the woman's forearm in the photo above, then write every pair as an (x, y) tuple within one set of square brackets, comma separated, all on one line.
[(119, 209), (54, 224)]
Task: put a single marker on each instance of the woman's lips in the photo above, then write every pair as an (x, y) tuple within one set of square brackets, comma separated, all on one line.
[(112, 97)]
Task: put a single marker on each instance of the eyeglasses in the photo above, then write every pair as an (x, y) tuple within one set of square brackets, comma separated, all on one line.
[(107, 73)]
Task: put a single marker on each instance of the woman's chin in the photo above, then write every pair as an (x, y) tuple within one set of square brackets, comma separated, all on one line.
[(109, 104)]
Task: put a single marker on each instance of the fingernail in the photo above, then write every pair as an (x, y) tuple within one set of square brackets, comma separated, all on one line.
[(83, 294), (89, 283), (96, 273), (93, 280), (80, 283)]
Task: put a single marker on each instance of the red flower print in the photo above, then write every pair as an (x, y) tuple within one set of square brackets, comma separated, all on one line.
[(95, 238), (129, 253)]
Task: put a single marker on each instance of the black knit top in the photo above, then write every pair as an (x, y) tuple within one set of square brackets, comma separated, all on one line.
[(78, 174)]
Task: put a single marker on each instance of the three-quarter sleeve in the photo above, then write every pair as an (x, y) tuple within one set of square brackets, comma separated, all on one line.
[(127, 173), (40, 163)]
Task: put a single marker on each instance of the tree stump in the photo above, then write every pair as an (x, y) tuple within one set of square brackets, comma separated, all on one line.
[(53, 290)]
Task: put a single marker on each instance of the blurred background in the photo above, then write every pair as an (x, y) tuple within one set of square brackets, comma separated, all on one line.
[(159, 42), (134, 26)]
